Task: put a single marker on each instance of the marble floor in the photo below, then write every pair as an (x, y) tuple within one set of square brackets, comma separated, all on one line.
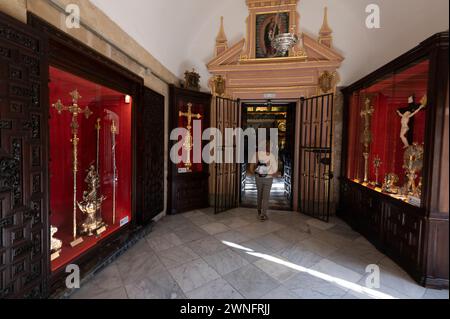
[(198, 255)]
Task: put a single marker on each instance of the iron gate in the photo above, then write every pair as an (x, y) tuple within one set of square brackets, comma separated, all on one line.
[(316, 136), (226, 113)]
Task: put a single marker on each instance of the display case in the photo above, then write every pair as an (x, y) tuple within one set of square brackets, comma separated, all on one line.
[(386, 133), (394, 187), (89, 166)]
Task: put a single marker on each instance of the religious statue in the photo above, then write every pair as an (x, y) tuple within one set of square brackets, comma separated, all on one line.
[(270, 32), (91, 203), (406, 114), (366, 138), (188, 144), (55, 244), (192, 80), (218, 85)]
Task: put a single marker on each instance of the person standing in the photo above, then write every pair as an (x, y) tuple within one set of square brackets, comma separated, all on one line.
[(264, 165)]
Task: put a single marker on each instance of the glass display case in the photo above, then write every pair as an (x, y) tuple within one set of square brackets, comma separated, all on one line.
[(386, 133), (394, 177), (89, 166)]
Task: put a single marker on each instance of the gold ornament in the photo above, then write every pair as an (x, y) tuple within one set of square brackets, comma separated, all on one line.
[(413, 163), (188, 144), (389, 185), (366, 138), (75, 110), (91, 204), (377, 163)]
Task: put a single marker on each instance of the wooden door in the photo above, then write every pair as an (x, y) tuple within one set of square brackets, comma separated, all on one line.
[(24, 229), (150, 159)]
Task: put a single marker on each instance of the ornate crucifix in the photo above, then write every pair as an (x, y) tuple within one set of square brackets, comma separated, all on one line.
[(75, 110), (188, 139), (366, 115)]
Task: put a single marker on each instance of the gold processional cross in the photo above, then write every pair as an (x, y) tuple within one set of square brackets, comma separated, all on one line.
[(188, 139), (366, 115), (75, 110)]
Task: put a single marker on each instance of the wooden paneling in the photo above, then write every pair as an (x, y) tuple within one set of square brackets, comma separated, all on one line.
[(23, 162), (151, 131)]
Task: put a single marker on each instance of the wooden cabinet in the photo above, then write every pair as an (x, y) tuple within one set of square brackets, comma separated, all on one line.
[(415, 236)]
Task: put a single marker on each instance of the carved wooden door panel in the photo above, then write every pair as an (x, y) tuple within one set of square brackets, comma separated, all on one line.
[(151, 156), (23, 162)]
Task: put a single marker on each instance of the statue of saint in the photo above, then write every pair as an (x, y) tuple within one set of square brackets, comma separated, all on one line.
[(406, 114)]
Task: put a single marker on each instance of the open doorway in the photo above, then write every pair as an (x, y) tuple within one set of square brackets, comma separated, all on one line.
[(271, 114)]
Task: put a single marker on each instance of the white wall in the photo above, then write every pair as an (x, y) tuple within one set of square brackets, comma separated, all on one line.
[(181, 33)]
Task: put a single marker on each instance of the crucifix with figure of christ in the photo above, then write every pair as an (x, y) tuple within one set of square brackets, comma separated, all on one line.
[(188, 144), (75, 110)]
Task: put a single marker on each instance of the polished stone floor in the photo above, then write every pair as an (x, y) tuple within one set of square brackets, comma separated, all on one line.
[(233, 255)]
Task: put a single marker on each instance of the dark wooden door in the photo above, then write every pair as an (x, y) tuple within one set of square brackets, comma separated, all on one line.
[(24, 260), (187, 190), (151, 132)]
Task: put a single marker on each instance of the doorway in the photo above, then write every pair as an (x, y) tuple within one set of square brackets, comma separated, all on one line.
[(271, 114)]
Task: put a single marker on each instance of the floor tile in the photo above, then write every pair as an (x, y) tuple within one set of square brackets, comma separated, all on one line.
[(160, 285), (277, 271), (318, 246), (216, 289), (300, 256), (190, 232), (273, 242), (134, 267), (436, 294), (235, 222), (207, 246), (307, 286), (176, 256), (232, 236), (117, 293), (106, 283), (280, 293), (163, 242), (332, 269), (215, 228), (319, 224), (251, 282), (225, 261), (194, 274)]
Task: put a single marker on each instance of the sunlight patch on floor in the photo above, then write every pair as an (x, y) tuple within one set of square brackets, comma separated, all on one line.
[(338, 281)]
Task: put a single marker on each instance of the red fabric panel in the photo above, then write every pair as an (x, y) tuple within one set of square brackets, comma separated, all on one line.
[(61, 168), (182, 123)]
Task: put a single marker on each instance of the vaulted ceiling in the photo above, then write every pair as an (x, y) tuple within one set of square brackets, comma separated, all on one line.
[(181, 33)]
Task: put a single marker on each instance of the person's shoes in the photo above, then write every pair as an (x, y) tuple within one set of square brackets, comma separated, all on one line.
[(263, 217)]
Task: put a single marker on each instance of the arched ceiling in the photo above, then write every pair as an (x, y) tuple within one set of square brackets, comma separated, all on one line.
[(181, 33)]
